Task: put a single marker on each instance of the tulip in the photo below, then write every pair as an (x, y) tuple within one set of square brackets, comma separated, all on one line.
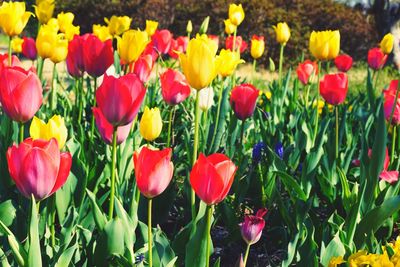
[(162, 41), (118, 25), (240, 44), (65, 20), (46, 40), (333, 88), (20, 93), (153, 170), (386, 44), (102, 32), (243, 100), (75, 65), (4, 61), (206, 98), (53, 24), (306, 70), (325, 45), (230, 28), (211, 177), (106, 129), (131, 45), (54, 128), (189, 27), (151, 124), (199, 64), (149, 50), (71, 31), (282, 32), (251, 228), (343, 62), (214, 38), (178, 46), (236, 14), (29, 48), (257, 46), (228, 61), (13, 17), (38, 167), (16, 44), (119, 99), (174, 87), (151, 27), (60, 50), (386, 175), (44, 10), (391, 104), (143, 67), (376, 58), (98, 56)]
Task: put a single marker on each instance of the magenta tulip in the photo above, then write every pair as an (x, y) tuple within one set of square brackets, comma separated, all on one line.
[(29, 48), (98, 56), (243, 100), (333, 88), (174, 87), (252, 226)]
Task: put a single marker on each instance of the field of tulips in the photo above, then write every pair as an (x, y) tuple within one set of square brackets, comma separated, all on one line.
[(142, 148)]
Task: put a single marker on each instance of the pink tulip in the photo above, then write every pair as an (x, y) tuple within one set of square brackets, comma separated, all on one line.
[(376, 58), (333, 88), (98, 56), (29, 48), (306, 70), (252, 226), (178, 46), (390, 100), (174, 87), (143, 67), (243, 100), (162, 41)]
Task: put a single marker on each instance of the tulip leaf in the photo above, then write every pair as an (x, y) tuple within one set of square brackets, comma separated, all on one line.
[(7, 213), (335, 248), (34, 254), (65, 259), (3, 259), (291, 184), (99, 217), (129, 227)]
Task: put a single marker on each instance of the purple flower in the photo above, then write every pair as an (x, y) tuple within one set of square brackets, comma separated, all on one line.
[(257, 152), (279, 149), (252, 226)]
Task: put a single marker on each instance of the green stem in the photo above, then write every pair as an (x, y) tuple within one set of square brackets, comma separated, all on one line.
[(394, 129), (195, 147), (9, 52), (113, 166), (254, 68), (53, 219), (337, 133), (376, 79), (307, 96), (149, 235), (246, 255), (208, 234), (316, 106), (234, 40), (21, 132), (40, 64), (171, 113), (53, 103), (263, 195), (80, 99), (242, 133), (281, 64), (217, 118), (94, 105)]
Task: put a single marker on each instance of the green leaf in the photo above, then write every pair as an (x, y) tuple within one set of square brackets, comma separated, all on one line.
[(99, 217), (34, 254), (65, 259), (3, 259), (335, 248), (291, 184), (7, 213)]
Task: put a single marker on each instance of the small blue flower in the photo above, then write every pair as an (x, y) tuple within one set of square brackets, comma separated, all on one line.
[(257, 152), (300, 167), (279, 149), (139, 258)]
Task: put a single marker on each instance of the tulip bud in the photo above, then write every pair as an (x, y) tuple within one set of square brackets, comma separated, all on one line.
[(257, 46), (151, 27), (16, 44), (271, 65), (29, 48), (44, 10), (206, 98), (227, 62), (189, 27), (13, 17), (252, 226), (386, 44), (229, 27), (343, 62), (376, 58), (204, 25), (282, 31), (151, 124), (55, 128), (236, 14), (306, 70)]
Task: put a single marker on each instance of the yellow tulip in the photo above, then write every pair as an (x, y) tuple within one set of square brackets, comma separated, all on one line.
[(13, 17), (236, 14), (60, 49), (227, 62), (16, 44), (102, 32), (131, 45), (151, 124), (71, 31), (44, 10), (46, 40), (53, 23), (118, 25), (199, 64), (325, 45), (386, 44), (65, 20), (257, 47), (151, 27), (229, 27), (55, 128), (282, 31)]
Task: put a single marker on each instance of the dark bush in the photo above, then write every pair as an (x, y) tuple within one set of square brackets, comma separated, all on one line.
[(357, 30)]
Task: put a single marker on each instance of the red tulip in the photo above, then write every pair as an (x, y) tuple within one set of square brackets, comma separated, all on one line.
[(174, 87), (252, 226), (376, 58), (178, 46), (119, 99), (29, 48), (14, 61), (98, 56), (106, 130), (214, 38), (38, 167), (239, 43), (143, 67), (149, 50), (388, 176), (306, 70), (343, 62), (333, 88), (212, 177), (389, 96), (243, 100), (162, 41), (75, 64), (153, 170), (20, 93)]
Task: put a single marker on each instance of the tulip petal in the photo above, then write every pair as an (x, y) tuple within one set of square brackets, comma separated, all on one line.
[(63, 171), (389, 176)]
